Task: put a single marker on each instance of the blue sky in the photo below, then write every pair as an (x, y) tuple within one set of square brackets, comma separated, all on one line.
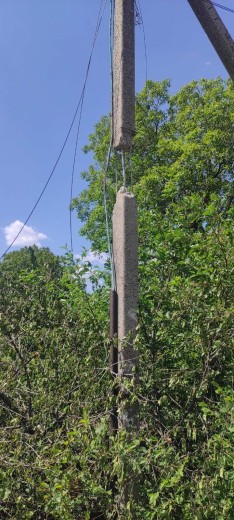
[(44, 50)]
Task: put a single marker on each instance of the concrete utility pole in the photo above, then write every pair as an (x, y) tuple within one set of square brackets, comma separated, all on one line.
[(216, 32), (125, 211), (125, 243), (125, 234), (124, 74)]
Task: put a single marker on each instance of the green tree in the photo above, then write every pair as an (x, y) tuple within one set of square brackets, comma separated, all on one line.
[(58, 458), (52, 374), (29, 258), (182, 157), (182, 161)]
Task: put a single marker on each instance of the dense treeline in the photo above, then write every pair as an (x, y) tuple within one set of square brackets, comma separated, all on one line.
[(58, 458)]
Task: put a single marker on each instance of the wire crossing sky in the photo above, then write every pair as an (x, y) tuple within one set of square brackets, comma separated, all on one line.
[(44, 51), (79, 109), (222, 7)]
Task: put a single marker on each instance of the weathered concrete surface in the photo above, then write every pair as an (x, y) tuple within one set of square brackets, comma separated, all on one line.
[(125, 250), (216, 32), (124, 74), (125, 241)]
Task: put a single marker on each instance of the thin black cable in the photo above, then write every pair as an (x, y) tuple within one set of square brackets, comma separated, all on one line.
[(225, 8), (113, 282), (99, 21), (62, 148), (111, 36), (46, 184), (73, 171)]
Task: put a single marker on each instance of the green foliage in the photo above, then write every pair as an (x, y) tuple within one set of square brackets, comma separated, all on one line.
[(58, 458), (53, 351)]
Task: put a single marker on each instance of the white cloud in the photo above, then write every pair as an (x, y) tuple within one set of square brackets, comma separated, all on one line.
[(93, 257), (208, 63), (96, 257), (27, 237)]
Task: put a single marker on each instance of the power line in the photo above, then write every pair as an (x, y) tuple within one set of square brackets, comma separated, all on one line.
[(225, 8), (99, 21), (107, 216), (109, 149), (73, 172), (80, 104)]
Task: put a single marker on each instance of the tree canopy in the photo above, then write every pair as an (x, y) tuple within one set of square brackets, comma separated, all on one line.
[(58, 458)]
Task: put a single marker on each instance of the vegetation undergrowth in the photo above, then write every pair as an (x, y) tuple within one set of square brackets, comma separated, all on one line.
[(58, 457)]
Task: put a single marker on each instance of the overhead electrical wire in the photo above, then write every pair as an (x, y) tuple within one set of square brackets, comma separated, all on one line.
[(140, 21), (220, 6), (107, 166), (80, 104), (113, 282), (73, 173), (99, 21)]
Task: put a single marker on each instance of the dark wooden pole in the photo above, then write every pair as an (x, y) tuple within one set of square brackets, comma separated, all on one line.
[(216, 32)]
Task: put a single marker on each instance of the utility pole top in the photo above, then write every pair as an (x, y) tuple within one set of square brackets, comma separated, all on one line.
[(216, 31), (124, 74)]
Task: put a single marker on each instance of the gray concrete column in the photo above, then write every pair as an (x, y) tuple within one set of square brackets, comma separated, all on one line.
[(125, 251), (124, 74)]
